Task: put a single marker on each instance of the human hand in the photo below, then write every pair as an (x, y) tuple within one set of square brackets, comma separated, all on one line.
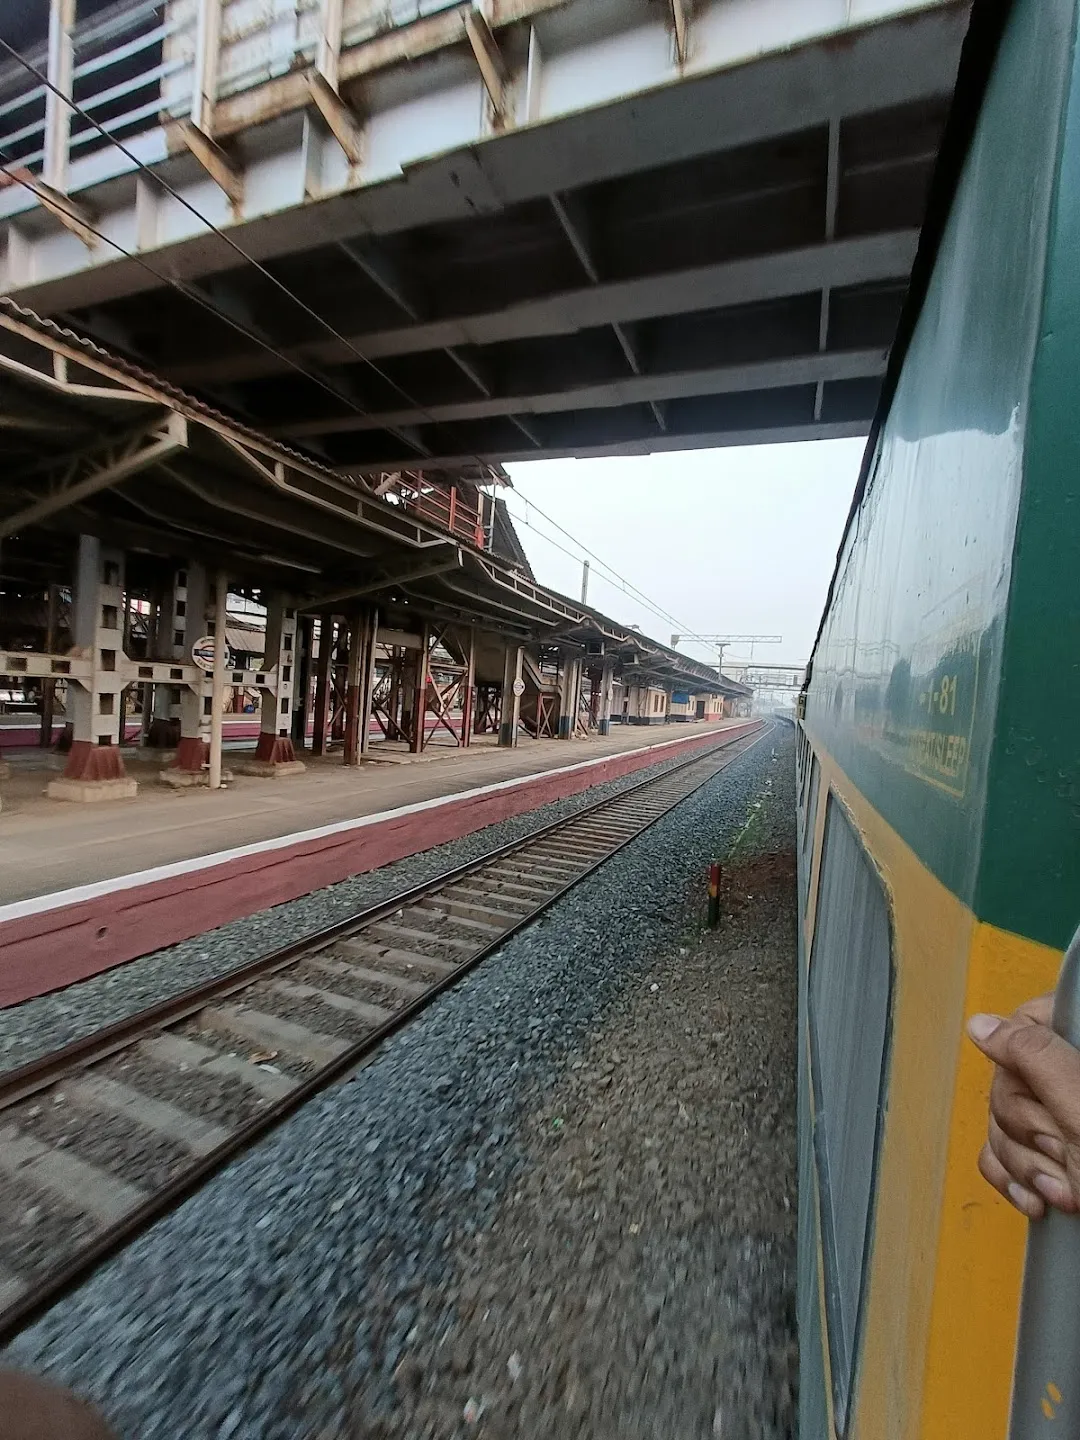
[(1032, 1152)]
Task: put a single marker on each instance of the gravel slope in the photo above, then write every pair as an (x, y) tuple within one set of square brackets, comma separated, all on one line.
[(639, 1280), (318, 1286), (41, 1025)]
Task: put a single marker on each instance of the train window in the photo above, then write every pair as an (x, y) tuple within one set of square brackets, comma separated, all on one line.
[(810, 804), (850, 986)]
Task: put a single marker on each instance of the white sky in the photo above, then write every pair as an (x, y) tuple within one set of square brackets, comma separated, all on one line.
[(732, 541)]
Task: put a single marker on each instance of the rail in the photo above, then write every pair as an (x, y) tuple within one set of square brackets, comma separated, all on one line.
[(115, 1130), (1046, 1378)]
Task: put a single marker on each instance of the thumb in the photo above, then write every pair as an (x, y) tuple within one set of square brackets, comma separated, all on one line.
[(1048, 1065)]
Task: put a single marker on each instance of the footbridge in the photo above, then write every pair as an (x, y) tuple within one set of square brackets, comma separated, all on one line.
[(401, 233)]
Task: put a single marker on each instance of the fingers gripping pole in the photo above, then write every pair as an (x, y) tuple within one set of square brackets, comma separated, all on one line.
[(1046, 1379)]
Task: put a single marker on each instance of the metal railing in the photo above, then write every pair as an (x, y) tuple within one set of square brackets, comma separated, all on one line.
[(462, 511), (144, 61), (115, 65), (1046, 1379)]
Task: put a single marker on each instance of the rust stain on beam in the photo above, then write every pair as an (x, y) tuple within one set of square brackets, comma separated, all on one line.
[(490, 63), (680, 16), (406, 43), (72, 216), (221, 169), (342, 122)]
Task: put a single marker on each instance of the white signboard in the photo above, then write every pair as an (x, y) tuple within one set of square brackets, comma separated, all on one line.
[(202, 654)]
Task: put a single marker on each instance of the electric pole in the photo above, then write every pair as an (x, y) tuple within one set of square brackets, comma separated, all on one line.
[(721, 642)]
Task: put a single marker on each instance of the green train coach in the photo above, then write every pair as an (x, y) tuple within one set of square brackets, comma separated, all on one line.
[(939, 767)]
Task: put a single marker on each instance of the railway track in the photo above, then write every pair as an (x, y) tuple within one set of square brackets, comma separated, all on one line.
[(102, 1137)]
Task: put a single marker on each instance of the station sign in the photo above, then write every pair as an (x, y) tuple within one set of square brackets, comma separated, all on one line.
[(519, 687), (202, 654)]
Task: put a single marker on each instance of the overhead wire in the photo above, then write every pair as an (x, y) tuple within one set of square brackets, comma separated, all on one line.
[(613, 578), (248, 259), (233, 245), (11, 169), (628, 588)]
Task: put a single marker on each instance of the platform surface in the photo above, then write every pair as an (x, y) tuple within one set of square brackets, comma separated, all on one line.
[(48, 846)]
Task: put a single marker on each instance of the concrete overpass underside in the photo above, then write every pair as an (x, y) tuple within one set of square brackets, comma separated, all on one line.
[(523, 230)]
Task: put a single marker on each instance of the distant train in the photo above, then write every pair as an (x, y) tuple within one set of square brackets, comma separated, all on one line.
[(939, 766)]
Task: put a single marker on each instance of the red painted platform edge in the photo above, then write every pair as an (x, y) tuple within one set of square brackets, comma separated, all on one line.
[(52, 949)]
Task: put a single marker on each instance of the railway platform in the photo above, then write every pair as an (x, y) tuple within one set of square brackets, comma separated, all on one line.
[(83, 889)]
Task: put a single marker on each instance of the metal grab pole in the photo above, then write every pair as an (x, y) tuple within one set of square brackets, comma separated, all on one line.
[(1046, 1378)]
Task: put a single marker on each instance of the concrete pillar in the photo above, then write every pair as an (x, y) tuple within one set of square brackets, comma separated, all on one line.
[(607, 679), (274, 753), (512, 690), (194, 608), (94, 769), (569, 692), (302, 692), (48, 687), (172, 630)]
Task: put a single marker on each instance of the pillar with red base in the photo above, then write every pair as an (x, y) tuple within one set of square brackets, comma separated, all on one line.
[(274, 754), (95, 770)]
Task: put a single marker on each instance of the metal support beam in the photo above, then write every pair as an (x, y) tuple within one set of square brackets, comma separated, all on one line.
[(534, 72), (388, 582), (857, 261), (73, 216), (302, 691), (222, 298), (342, 122), (322, 685), (383, 271), (368, 696), (635, 390), (207, 56), (357, 666), (418, 687), (680, 16), (331, 14), (492, 67), (832, 200), (57, 110), (224, 172), (575, 226), (468, 688), (526, 430), (471, 371), (135, 456)]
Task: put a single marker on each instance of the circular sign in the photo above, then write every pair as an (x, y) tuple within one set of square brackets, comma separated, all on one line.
[(518, 687), (202, 654)]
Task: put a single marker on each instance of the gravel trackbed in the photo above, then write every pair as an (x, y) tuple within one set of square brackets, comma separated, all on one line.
[(561, 1203)]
